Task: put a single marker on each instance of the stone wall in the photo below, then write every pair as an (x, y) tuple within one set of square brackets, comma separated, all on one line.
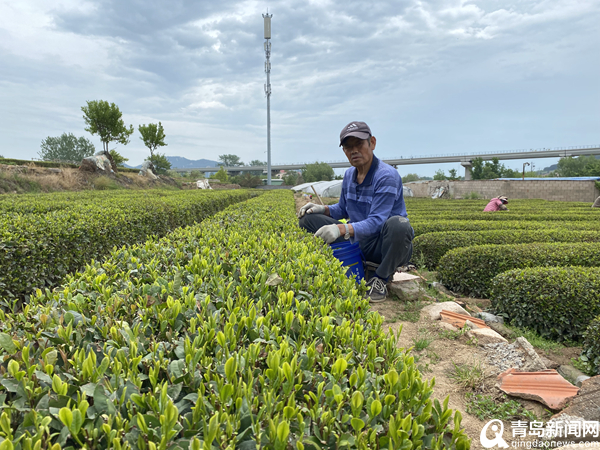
[(547, 189)]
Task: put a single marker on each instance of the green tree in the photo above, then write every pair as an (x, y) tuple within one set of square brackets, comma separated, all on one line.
[(440, 175), (153, 136), (230, 160), (106, 121), (257, 162), (221, 175), (292, 178), (247, 180), (119, 159), (196, 174), (160, 162), (453, 174), (317, 172), (581, 166), (410, 177), (66, 147), (487, 170)]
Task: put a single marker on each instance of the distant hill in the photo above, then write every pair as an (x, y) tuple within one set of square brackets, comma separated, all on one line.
[(179, 162)]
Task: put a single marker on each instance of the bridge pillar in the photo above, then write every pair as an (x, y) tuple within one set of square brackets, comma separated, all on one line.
[(467, 165)]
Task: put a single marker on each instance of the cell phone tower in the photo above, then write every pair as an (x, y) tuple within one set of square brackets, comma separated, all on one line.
[(267, 18)]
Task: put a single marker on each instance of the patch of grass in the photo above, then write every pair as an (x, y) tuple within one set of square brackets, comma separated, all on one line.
[(585, 366), (485, 407), (422, 343), (472, 196), (469, 376), (454, 335), (536, 340), (103, 183), (411, 311), (433, 292), (419, 260), (433, 356)]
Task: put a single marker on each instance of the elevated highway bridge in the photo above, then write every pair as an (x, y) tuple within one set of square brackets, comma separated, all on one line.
[(464, 158)]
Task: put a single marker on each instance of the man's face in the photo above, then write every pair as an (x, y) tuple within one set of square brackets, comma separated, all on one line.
[(359, 151)]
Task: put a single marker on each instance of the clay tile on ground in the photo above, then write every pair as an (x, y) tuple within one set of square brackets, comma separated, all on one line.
[(546, 386), (458, 320)]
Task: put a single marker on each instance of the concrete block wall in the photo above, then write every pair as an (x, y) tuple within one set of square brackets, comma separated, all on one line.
[(560, 190)]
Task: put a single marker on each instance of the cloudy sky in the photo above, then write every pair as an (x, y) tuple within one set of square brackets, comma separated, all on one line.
[(435, 77)]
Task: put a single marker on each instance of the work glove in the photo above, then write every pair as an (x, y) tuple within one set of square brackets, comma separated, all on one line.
[(328, 233), (311, 208)]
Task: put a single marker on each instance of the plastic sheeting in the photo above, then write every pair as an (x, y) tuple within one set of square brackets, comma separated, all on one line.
[(305, 187), (334, 188), (329, 188)]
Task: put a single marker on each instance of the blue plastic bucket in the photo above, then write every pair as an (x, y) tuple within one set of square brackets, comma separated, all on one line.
[(351, 258)]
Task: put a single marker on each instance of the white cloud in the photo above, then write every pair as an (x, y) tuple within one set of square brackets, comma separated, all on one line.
[(436, 76)]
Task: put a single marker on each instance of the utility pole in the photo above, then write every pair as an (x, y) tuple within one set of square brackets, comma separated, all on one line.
[(267, 18), (524, 164)]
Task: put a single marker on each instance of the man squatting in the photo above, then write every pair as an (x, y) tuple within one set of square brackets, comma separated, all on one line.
[(373, 201)]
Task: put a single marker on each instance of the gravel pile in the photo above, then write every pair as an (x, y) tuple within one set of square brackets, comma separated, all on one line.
[(504, 355)]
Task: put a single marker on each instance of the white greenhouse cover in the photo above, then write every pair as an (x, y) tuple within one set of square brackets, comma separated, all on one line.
[(334, 188), (329, 188), (305, 187)]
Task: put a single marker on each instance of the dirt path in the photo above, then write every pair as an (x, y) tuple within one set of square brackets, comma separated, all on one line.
[(438, 360)]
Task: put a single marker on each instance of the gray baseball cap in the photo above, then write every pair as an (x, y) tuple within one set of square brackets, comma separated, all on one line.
[(357, 129)]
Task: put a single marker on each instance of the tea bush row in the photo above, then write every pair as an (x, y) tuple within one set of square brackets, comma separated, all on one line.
[(423, 226), (470, 270), (591, 345), (40, 203), (556, 302), (240, 332), (432, 246), (38, 250), (559, 216)]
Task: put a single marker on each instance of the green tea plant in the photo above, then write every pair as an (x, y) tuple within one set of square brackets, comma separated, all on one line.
[(556, 303), (239, 332), (431, 247), (470, 270), (590, 354), (37, 249)]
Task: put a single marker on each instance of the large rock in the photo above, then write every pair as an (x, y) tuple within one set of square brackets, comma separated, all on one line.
[(502, 329), (435, 309), (489, 318), (96, 163), (532, 361), (408, 291), (485, 336), (573, 374), (147, 170)]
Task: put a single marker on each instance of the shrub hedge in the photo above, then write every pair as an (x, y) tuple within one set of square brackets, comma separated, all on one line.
[(38, 250), (555, 302), (216, 336), (434, 245), (422, 226), (591, 345), (559, 216), (470, 270)]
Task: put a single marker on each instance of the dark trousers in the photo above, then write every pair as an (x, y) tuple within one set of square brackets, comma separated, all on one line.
[(391, 248)]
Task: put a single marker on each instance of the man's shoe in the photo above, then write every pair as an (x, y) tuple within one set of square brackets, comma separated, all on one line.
[(377, 290)]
